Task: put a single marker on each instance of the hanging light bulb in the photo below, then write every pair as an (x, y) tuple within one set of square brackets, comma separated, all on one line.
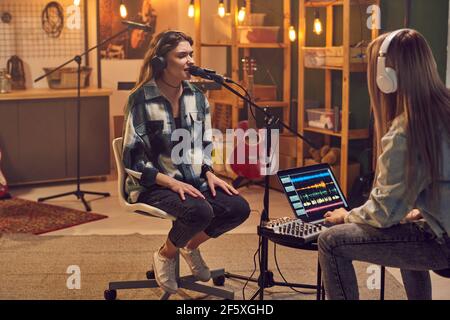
[(241, 13), (191, 9), (317, 23), (292, 34), (123, 10), (76, 3), (221, 9)]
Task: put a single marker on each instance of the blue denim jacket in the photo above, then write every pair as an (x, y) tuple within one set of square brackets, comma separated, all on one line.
[(147, 144), (391, 199)]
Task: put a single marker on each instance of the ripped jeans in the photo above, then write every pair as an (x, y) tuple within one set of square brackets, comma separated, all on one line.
[(406, 246)]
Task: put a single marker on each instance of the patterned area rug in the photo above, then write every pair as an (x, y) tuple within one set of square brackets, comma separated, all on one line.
[(24, 216)]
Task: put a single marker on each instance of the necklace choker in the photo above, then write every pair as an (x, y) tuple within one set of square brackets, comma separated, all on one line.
[(175, 87)]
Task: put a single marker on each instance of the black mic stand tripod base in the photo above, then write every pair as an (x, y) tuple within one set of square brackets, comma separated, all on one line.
[(78, 192), (266, 278)]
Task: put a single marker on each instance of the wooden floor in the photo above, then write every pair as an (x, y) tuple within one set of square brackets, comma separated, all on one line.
[(122, 222)]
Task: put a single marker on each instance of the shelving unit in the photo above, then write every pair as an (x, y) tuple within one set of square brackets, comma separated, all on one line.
[(224, 100), (345, 134), (227, 99)]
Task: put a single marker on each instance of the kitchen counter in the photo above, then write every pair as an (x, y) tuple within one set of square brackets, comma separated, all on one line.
[(44, 93)]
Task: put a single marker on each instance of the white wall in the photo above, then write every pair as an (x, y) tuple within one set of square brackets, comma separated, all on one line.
[(114, 71), (34, 68)]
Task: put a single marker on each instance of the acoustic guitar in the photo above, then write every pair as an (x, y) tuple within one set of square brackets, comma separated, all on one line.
[(247, 167)]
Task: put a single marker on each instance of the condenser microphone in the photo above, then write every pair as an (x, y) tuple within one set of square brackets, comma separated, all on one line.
[(136, 25), (207, 74)]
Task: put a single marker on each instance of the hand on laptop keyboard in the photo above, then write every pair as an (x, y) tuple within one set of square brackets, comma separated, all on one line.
[(336, 216)]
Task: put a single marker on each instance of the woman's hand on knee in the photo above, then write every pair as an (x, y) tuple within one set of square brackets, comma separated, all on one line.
[(413, 215), (336, 216), (214, 181), (184, 188)]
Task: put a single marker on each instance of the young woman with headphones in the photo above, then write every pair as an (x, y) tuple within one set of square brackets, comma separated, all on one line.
[(411, 108), (204, 206)]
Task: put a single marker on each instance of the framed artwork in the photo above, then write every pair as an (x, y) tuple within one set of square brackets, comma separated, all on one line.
[(130, 45)]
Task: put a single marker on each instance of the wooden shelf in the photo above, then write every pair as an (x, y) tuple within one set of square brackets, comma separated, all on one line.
[(326, 3), (346, 63), (354, 67), (218, 44), (262, 45), (274, 103), (239, 50), (221, 101), (352, 134), (46, 93), (322, 3), (269, 104)]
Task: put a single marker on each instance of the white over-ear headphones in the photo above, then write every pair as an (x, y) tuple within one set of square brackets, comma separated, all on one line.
[(386, 77)]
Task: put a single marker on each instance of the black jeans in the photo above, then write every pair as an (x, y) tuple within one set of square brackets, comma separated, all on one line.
[(215, 215)]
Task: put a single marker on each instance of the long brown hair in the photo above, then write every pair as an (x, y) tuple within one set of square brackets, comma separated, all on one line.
[(421, 97), (163, 43)]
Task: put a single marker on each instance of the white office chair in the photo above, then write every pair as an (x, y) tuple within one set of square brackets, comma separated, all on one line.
[(186, 282)]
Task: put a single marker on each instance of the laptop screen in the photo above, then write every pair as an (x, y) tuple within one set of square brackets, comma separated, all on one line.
[(312, 191)]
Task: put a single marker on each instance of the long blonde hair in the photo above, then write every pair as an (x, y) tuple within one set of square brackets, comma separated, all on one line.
[(162, 44), (421, 96)]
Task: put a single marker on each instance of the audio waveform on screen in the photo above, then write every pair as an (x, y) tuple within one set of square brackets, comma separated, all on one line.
[(316, 191), (320, 185)]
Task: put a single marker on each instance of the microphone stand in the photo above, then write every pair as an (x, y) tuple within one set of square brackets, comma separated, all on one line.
[(265, 279), (78, 192)]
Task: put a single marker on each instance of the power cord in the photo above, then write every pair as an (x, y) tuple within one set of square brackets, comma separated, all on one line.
[(279, 271), (254, 267)]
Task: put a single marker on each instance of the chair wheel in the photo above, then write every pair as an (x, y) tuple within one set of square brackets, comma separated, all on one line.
[(110, 294), (219, 281), (150, 275)]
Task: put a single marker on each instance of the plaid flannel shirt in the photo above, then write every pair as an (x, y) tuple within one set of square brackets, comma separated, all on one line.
[(148, 145)]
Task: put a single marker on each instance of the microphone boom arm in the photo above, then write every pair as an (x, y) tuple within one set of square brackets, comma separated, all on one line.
[(268, 115), (270, 119), (265, 279), (84, 53)]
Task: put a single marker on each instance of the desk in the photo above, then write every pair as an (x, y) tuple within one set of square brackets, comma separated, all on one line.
[(38, 134)]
